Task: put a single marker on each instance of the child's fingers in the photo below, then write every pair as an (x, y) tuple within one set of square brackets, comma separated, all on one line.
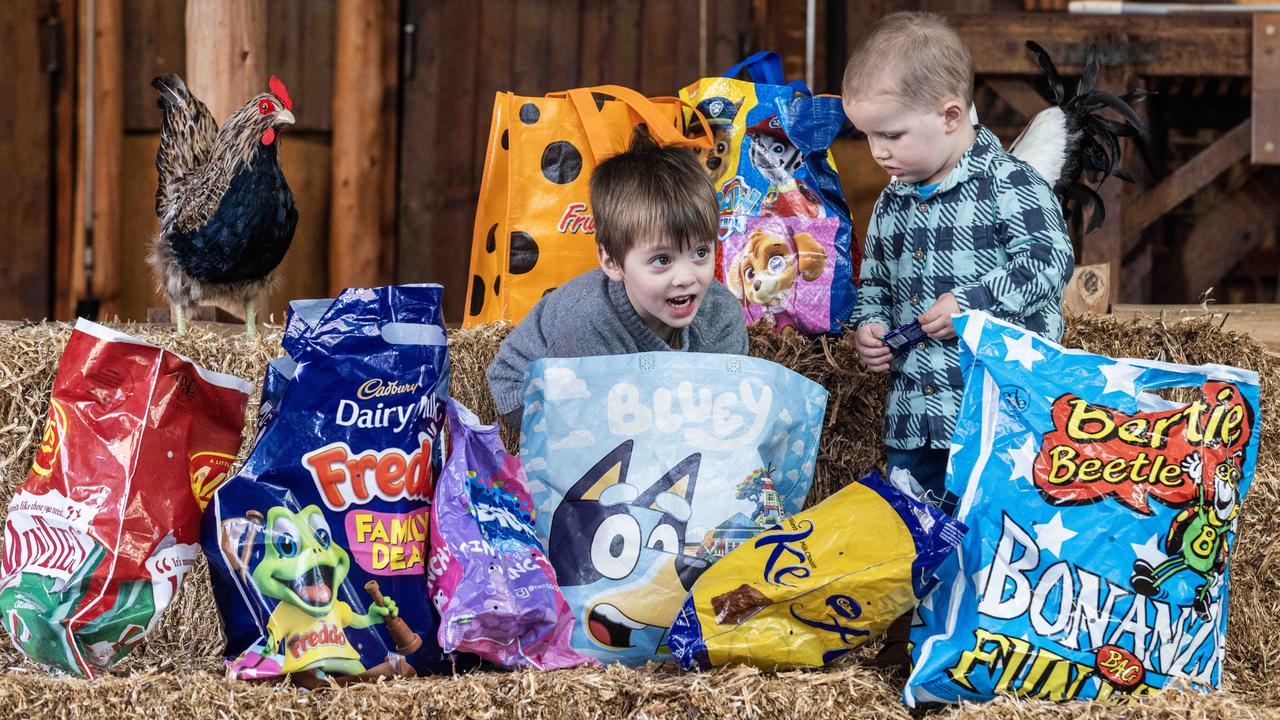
[(938, 328)]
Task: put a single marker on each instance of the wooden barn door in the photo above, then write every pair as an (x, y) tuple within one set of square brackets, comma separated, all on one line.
[(26, 158), (459, 53)]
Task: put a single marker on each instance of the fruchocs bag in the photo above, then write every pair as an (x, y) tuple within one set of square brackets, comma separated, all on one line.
[(646, 468), (818, 584), (788, 250), (318, 547), (488, 576), (1101, 517), (100, 536), (534, 229)]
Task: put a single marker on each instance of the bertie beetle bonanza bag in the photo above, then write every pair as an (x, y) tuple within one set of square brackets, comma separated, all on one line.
[(1101, 517), (818, 584), (646, 468), (100, 536), (317, 548), (489, 578)]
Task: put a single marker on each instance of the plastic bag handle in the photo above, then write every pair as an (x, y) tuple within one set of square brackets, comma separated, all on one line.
[(662, 129), (764, 66)]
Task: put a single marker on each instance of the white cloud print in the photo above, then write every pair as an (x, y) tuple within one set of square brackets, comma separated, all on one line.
[(535, 465), (575, 439), (562, 384)]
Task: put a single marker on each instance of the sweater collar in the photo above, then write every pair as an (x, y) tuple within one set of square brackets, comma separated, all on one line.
[(646, 339), (973, 162)]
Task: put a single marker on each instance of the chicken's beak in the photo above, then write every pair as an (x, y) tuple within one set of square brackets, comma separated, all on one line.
[(284, 117)]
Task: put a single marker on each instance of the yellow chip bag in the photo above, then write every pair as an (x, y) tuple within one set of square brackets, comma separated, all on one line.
[(818, 584)]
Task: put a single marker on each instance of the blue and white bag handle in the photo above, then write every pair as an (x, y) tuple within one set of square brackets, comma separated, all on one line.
[(765, 67)]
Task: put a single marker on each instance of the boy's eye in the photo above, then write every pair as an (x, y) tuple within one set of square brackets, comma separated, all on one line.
[(891, 136), (702, 252), (660, 260)]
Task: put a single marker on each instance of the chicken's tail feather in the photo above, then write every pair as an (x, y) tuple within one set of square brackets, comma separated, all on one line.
[(187, 135)]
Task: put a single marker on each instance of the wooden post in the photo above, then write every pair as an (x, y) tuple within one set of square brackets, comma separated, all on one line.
[(108, 137), (226, 52), (1266, 89), (358, 232)]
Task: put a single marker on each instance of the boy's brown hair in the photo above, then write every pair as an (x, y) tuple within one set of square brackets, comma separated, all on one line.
[(653, 192), (914, 55)]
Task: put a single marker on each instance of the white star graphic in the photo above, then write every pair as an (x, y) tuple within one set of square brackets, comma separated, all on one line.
[(927, 602), (1149, 551), (1120, 377), (1021, 350), (1051, 535), (1023, 459), (954, 449)]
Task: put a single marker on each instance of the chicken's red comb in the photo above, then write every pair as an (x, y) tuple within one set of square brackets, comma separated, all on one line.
[(277, 89)]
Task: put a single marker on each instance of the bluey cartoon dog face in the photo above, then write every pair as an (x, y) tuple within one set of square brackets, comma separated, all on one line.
[(618, 550)]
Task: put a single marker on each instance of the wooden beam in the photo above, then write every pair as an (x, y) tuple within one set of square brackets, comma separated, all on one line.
[(226, 52), (357, 236), (108, 138), (66, 188), (1019, 95), (1266, 89), (1170, 46), (1187, 180), (1226, 234)]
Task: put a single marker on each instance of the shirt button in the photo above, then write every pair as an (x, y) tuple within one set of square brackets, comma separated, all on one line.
[(915, 299), (928, 389), (919, 254), (924, 207)]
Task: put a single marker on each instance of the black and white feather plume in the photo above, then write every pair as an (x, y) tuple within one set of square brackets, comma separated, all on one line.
[(1071, 142)]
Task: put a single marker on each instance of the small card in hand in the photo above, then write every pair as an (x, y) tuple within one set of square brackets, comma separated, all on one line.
[(903, 337)]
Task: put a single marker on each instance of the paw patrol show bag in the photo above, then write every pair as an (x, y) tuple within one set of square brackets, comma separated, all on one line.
[(788, 250), (646, 468), (317, 549), (534, 229), (1101, 516)]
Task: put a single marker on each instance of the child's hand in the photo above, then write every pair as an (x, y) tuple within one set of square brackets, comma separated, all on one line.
[(936, 321), (875, 355)]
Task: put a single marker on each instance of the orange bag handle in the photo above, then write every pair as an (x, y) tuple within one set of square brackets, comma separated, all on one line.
[(661, 128)]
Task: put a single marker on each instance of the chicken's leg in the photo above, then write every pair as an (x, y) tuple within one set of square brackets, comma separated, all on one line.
[(250, 320), (179, 317)]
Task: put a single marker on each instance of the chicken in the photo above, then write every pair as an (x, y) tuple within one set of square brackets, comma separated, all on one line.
[(1070, 141), (226, 213)]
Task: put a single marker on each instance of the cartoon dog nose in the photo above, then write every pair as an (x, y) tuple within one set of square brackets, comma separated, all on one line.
[(689, 568), (713, 163), (756, 285)]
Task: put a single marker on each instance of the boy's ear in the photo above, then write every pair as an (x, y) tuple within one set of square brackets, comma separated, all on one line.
[(954, 114), (607, 264)]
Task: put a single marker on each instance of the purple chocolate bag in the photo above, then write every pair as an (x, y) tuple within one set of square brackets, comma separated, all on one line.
[(488, 576)]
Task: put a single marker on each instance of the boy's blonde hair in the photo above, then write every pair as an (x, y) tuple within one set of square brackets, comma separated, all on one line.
[(915, 56)]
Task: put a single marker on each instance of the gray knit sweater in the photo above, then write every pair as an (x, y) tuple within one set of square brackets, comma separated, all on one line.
[(591, 315)]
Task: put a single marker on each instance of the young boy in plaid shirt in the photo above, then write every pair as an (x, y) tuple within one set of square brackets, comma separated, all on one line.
[(963, 225)]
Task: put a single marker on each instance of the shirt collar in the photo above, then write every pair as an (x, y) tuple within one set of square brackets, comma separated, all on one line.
[(973, 162)]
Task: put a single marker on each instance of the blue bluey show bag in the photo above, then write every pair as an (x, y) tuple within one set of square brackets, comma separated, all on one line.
[(646, 468), (787, 247), (318, 547), (1100, 516)]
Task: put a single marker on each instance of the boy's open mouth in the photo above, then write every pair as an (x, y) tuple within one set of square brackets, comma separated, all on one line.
[(681, 305)]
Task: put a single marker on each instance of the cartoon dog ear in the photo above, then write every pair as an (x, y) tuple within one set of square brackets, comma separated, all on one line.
[(672, 492), (611, 469), (811, 255), (733, 278)]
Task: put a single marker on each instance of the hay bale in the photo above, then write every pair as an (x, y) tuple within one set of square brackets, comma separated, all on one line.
[(178, 669)]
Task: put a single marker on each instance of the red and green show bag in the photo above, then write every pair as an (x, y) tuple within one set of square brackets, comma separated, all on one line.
[(100, 536)]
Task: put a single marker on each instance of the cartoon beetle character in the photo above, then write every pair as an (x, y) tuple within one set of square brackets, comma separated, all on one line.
[(776, 158), (720, 113), (766, 269), (618, 550), (1197, 539), (303, 569)]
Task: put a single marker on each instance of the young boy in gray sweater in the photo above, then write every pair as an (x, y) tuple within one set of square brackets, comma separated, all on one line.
[(656, 218)]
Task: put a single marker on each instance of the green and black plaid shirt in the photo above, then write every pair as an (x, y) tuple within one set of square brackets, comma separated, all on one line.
[(992, 235)]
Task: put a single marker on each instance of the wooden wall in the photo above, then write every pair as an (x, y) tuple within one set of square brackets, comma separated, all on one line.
[(465, 51)]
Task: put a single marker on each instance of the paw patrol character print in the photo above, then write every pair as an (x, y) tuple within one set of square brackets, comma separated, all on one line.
[(777, 159), (763, 275), (720, 113), (1197, 539), (619, 554)]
